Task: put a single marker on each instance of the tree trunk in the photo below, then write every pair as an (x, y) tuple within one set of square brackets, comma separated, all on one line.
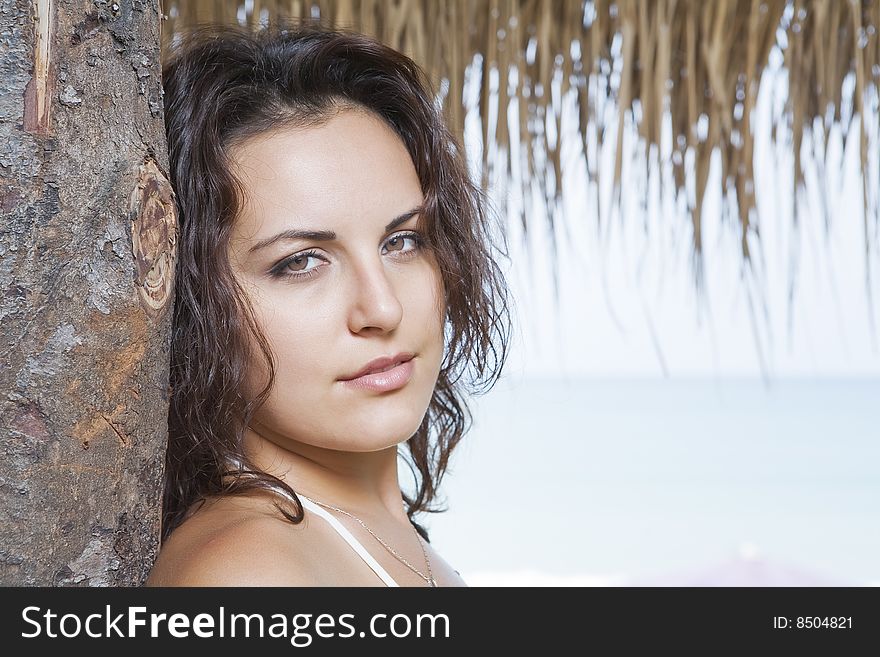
[(87, 251)]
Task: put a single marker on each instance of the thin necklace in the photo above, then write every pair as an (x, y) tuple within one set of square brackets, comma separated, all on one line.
[(429, 578)]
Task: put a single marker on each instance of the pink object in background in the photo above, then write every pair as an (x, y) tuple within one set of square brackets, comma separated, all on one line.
[(746, 569)]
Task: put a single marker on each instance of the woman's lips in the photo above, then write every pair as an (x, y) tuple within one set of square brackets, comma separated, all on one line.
[(393, 379)]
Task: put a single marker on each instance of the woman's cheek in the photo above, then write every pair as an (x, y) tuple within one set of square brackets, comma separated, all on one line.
[(256, 376)]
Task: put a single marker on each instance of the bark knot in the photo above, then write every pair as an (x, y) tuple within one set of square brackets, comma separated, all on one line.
[(153, 237)]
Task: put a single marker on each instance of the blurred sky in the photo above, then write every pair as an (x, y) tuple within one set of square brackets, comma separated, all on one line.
[(627, 480)]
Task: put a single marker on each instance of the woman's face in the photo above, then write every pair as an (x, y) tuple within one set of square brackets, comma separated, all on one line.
[(330, 306)]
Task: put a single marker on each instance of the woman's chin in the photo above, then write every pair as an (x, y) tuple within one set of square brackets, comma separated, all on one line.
[(372, 443)]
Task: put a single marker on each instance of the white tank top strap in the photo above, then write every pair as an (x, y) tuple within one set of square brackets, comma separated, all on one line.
[(350, 539)]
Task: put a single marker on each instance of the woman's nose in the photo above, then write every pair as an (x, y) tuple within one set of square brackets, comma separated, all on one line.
[(375, 303)]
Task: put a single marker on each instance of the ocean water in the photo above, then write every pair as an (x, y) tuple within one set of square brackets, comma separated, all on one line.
[(716, 482)]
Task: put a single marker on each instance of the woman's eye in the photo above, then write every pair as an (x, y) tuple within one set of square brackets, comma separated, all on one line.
[(397, 242), (295, 267), (298, 264)]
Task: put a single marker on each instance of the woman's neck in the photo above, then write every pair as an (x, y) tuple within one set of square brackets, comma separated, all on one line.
[(363, 483)]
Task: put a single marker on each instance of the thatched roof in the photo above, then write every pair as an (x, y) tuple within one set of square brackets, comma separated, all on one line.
[(684, 74)]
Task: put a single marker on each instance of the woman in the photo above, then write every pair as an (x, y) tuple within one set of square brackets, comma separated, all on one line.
[(334, 285)]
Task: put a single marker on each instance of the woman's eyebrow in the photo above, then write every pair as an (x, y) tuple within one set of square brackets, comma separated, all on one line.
[(326, 235)]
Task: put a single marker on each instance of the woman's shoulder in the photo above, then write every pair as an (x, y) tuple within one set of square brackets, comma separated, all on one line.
[(238, 541)]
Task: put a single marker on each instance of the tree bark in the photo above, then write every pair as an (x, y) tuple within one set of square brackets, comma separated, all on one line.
[(87, 252)]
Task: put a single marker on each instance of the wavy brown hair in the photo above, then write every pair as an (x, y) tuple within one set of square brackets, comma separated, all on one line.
[(224, 85)]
